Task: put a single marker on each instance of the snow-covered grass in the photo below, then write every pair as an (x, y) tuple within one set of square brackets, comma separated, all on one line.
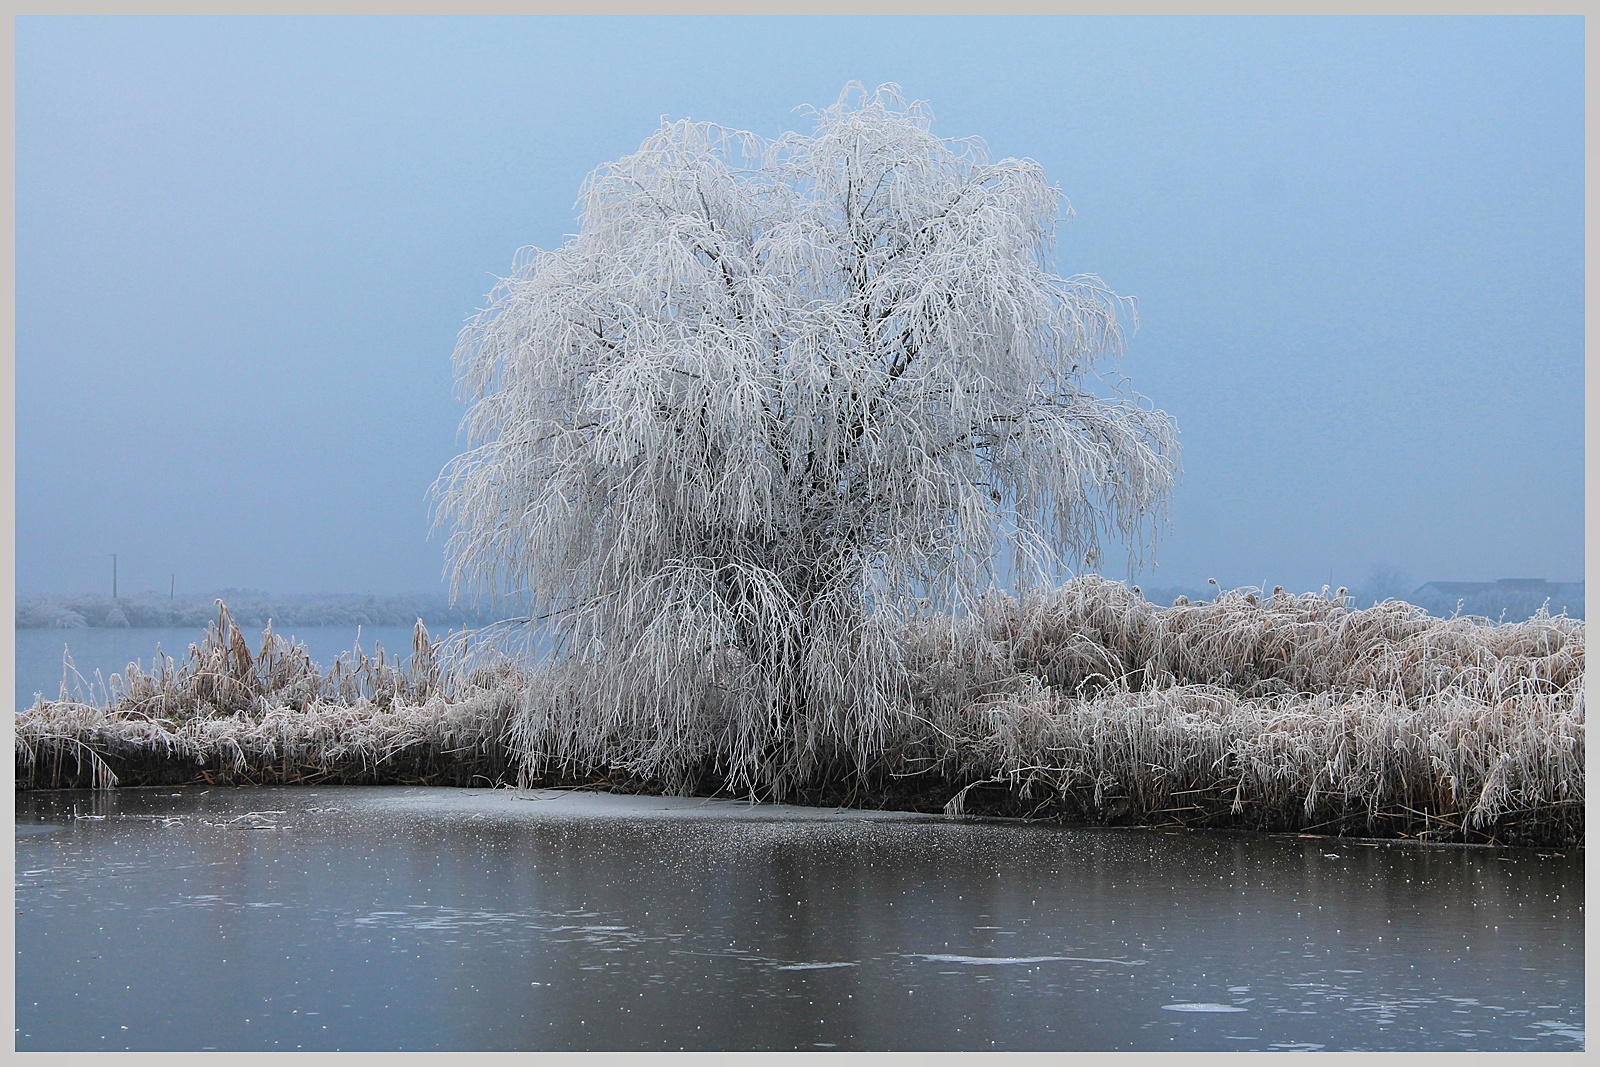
[(1273, 712)]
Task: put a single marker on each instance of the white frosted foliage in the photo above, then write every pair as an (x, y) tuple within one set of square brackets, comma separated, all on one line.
[(774, 400)]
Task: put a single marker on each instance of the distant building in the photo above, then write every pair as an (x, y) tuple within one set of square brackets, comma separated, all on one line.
[(1511, 599)]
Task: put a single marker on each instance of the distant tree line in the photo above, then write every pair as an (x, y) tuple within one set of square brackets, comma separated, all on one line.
[(248, 608)]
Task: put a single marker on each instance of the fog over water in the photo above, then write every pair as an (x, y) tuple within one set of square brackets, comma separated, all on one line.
[(245, 247)]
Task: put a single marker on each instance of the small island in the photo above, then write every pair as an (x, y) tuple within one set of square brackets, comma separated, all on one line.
[(803, 457)]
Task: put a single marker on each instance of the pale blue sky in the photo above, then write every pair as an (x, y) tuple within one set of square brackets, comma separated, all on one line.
[(245, 246)]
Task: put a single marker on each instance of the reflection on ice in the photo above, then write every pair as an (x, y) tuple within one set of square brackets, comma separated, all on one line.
[(988, 960), (1557, 1028), (1203, 1007)]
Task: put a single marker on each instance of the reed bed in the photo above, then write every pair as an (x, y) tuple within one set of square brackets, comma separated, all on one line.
[(228, 715), (1086, 702), (1448, 767), (437, 743), (1092, 633)]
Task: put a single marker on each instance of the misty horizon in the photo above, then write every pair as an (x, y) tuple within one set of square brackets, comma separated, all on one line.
[(245, 248), (442, 591)]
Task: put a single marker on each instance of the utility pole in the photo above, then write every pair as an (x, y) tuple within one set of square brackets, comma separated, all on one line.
[(172, 589), (113, 576)]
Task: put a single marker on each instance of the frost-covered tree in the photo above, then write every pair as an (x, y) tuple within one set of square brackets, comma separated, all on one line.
[(774, 400)]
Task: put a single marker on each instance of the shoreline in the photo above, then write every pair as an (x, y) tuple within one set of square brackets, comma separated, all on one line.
[(106, 750), (445, 801)]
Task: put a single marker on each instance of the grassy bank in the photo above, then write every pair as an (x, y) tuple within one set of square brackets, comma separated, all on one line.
[(1087, 703)]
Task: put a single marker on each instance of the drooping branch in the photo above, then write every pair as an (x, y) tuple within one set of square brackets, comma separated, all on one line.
[(770, 399)]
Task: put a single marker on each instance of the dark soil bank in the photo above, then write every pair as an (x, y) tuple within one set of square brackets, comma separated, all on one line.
[(1552, 826)]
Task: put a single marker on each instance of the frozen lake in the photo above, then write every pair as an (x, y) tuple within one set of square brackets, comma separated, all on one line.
[(445, 919)]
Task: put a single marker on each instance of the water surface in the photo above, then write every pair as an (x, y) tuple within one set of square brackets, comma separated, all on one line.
[(440, 919)]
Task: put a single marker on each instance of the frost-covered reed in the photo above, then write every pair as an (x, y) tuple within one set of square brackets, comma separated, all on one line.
[(435, 742), (1264, 710), (1204, 755), (228, 713), (1085, 702), (1093, 633)]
